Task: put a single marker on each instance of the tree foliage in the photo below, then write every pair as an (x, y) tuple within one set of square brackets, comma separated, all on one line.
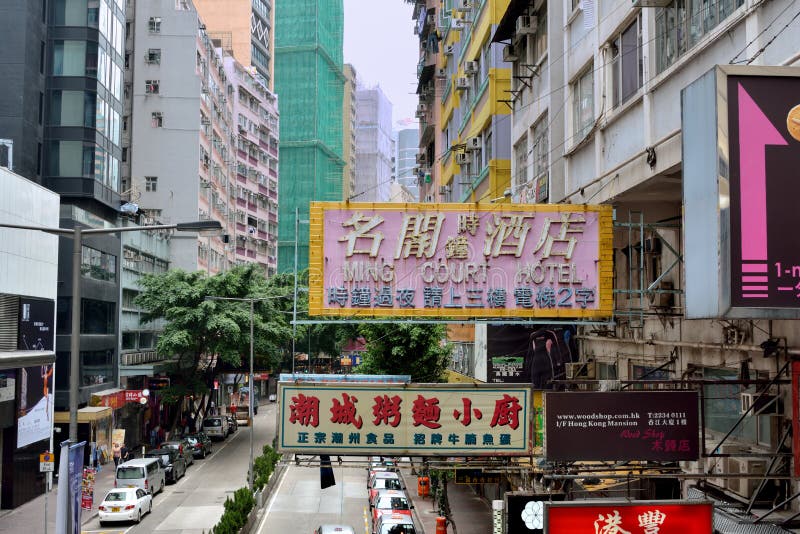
[(205, 337), (406, 349)]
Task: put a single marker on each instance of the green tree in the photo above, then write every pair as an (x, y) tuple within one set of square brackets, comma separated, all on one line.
[(208, 336), (418, 350)]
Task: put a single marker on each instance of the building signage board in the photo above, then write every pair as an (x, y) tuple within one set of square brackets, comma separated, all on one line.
[(312, 377), (629, 425), (413, 419), (525, 511), (741, 148), (476, 476), (461, 261), (664, 517)]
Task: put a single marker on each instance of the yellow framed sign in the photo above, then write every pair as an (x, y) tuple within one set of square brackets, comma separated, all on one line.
[(460, 260)]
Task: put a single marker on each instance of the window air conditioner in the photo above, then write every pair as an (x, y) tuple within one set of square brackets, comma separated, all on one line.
[(525, 24), (471, 67), (509, 54), (464, 5), (448, 50), (581, 371), (462, 158), (443, 190), (421, 108), (441, 73), (421, 158), (431, 18), (744, 487), (129, 254), (462, 83), (473, 143), (458, 24)]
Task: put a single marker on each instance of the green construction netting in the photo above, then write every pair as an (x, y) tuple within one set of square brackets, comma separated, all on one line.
[(310, 87)]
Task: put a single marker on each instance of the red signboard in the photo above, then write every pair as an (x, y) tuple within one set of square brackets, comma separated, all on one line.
[(663, 517), (133, 395)]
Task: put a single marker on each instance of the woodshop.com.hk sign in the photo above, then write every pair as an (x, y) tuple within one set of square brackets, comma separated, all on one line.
[(414, 419), (462, 261)]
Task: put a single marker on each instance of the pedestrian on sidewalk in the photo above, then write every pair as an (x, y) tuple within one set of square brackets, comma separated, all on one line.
[(124, 454), (116, 449)]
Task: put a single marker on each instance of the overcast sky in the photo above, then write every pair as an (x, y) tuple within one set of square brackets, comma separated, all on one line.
[(379, 42)]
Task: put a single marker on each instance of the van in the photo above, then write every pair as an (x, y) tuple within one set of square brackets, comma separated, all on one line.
[(216, 427), (144, 473)]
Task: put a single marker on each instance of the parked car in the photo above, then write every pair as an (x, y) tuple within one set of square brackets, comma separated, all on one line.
[(182, 446), (200, 443), (125, 504), (142, 473), (233, 426), (172, 461), (391, 502), (394, 524), (216, 426)]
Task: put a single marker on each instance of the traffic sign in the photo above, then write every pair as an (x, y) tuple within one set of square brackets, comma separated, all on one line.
[(46, 462)]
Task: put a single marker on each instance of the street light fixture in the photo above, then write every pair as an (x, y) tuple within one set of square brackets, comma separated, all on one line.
[(77, 234)]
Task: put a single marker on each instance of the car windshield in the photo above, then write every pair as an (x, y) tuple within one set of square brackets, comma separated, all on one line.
[(387, 483), (212, 422), (398, 529), (117, 496), (393, 503), (191, 439), (128, 473)]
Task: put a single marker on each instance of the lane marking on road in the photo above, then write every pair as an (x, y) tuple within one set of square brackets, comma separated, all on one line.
[(366, 521), (272, 497)]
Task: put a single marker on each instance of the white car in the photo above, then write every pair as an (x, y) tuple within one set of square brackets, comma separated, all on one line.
[(125, 504)]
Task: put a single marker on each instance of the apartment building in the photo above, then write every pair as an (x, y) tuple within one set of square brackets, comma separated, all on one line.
[(178, 130), (374, 152), (349, 131), (473, 118), (256, 110), (244, 29), (407, 148), (600, 94)]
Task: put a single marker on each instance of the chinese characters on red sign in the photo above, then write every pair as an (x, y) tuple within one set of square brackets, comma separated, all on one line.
[(347, 418), (460, 261), (626, 518)]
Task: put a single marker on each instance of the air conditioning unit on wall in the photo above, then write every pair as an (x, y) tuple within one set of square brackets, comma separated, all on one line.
[(763, 404), (462, 83), (462, 158), (581, 371), (744, 487)]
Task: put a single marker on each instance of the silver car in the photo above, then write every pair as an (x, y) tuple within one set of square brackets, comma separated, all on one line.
[(334, 529)]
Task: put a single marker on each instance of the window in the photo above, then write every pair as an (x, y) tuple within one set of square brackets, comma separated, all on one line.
[(41, 106), (583, 105), (125, 154), (41, 57), (626, 63), (157, 119), (153, 55), (96, 367), (575, 4), (683, 23), (540, 158), (151, 87), (539, 44), (98, 265), (151, 184), (97, 316), (154, 25)]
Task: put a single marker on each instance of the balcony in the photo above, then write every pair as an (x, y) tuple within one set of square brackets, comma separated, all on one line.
[(240, 227), (273, 173), (241, 153), (138, 358), (263, 189), (241, 178), (262, 234), (241, 251), (251, 253), (273, 217), (252, 206), (263, 144), (273, 194), (241, 202), (252, 160), (273, 151)]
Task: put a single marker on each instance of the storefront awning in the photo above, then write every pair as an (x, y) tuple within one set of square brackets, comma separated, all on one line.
[(85, 415), (25, 358), (505, 30), (111, 398)]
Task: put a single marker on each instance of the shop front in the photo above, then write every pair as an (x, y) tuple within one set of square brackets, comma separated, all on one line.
[(94, 426)]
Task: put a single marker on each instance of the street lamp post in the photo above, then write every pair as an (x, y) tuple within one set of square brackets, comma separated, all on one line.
[(297, 222), (77, 235), (252, 301)]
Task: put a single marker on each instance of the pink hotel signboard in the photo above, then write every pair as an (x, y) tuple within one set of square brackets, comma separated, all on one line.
[(460, 260)]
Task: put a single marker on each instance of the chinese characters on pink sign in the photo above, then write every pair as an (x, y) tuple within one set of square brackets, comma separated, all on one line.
[(460, 260), (427, 420)]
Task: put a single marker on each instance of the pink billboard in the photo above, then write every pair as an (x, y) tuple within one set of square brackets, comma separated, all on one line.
[(460, 260)]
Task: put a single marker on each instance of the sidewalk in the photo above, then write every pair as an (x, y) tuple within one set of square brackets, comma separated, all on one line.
[(472, 514), (30, 516)]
